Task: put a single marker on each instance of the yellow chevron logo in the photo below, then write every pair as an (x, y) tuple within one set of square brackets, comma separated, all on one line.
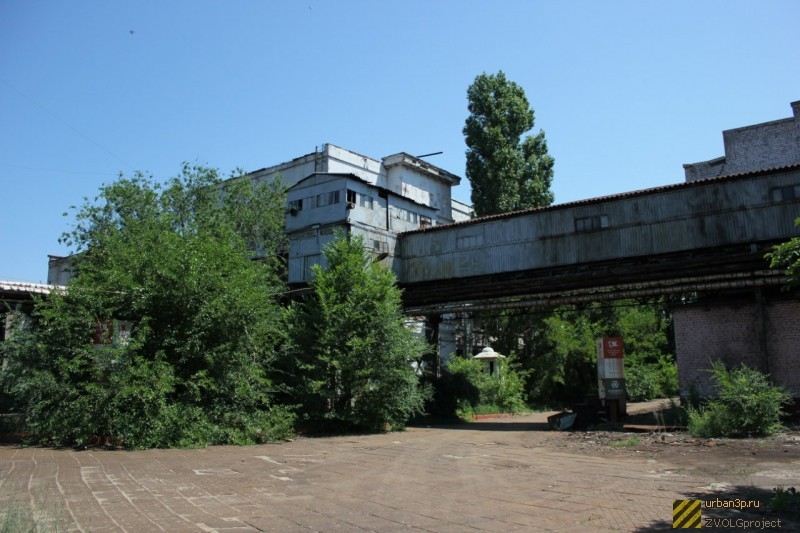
[(686, 514)]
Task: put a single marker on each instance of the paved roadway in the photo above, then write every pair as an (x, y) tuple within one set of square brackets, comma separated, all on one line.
[(493, 475)]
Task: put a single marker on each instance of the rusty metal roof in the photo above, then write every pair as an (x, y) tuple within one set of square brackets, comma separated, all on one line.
[(600, 199)]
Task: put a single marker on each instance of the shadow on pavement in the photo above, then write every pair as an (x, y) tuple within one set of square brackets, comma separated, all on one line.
[(771, 507)]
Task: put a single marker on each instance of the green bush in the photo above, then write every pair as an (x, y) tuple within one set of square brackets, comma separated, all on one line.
[(645, 380), (198, 366), (747, 405), (785, 501), (505, 390)]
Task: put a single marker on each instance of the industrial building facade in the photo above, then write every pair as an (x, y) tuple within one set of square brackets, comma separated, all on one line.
[(687, 238), (337, 189), (758, 327)]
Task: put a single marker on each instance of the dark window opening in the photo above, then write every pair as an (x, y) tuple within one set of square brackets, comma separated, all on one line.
[(785, 194), (295, 206), (591, 223), (328, 198)]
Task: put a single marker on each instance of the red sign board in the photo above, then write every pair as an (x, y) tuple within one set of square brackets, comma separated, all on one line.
[(613, 348)]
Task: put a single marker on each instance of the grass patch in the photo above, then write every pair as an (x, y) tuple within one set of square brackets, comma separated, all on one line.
[(466, 413), (632, 441), (16, 516)]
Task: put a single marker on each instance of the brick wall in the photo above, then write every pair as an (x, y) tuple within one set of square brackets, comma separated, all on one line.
[(783, 342), (752, 148), (729, 333)]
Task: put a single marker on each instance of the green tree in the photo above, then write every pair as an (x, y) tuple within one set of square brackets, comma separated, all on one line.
[(559, 348), (172, 261), (506, 173), (787, 255), (352, 354)]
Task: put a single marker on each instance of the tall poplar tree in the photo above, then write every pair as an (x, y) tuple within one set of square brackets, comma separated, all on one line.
[(507, 173)]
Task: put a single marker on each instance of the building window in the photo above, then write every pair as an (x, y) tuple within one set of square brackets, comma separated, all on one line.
[(365, 201), (425, 222), (785, 194), (591, 223), (295, 206), (405, 214), (356, 198), (469, 241), (328, 198)]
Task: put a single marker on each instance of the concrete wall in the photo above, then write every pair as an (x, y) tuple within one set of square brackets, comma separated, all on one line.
[(729, 332), (375, 214), (460, 211)]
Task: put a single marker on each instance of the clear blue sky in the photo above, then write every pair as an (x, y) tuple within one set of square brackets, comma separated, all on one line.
[(626, 92)]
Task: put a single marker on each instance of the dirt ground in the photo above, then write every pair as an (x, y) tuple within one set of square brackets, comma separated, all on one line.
[(732, 458)]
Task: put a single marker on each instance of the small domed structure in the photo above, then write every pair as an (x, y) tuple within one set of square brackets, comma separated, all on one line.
[(489, 356)]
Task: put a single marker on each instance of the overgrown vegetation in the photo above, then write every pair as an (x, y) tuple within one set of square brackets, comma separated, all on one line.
[(174, 261), (350, 352), (787, 255), (558, 350), (501, 392), (785, 501), (747, 405)]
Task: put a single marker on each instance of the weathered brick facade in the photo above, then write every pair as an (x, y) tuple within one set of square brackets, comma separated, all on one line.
[(731, 332), (760, 146)]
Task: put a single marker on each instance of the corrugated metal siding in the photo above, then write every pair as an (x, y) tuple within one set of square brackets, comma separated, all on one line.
[(718, 213)]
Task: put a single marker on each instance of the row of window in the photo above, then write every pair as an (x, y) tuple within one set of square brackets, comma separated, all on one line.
[(355, 199), (590, 223), (785, 194), (330, 198)]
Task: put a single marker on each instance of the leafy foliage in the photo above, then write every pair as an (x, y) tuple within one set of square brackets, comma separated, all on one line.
[(505, 389), (557, 349), (787, 255), (506, 174), (351, 353), (747, 405), (177, 262)]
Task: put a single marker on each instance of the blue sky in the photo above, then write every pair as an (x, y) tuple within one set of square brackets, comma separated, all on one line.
[(626, 92)]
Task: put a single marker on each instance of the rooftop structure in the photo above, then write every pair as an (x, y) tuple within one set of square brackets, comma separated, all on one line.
[(766, 146)]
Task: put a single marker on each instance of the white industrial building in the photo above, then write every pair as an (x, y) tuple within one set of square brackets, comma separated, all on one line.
[(334, 188)]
